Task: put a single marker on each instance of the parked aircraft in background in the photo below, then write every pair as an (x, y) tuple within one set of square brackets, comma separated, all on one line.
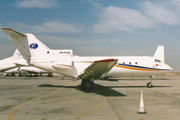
[(33, 71), (12, 72), (27, 71), (12, 62), (86, 68)]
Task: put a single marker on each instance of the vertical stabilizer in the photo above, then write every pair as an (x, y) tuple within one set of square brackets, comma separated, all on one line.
[(36, 47), (17, 55), (159, 54)]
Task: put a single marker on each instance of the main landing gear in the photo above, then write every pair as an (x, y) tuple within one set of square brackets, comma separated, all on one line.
[(150, 84), (87, 84)]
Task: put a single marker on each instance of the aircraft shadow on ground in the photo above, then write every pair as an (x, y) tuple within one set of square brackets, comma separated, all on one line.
[(98, 89), (132, 79), (101, 90)]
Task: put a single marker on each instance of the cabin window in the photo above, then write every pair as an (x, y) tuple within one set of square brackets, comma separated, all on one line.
[(123, 62), (136, 63), (157, 60), (47, 52), (130, 63)]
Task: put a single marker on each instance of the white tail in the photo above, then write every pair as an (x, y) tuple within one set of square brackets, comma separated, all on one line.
[(17, 55), (159, 54), (27, 44)]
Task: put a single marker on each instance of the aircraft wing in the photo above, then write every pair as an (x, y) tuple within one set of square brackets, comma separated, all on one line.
[(97, 70)]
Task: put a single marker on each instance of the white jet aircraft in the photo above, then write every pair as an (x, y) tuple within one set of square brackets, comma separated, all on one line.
[(12, 62), (86, 68), (28, 71), (34, 71)]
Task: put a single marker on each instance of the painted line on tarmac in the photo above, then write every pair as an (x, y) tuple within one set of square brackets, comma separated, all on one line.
[(93, 108), (10, 115)]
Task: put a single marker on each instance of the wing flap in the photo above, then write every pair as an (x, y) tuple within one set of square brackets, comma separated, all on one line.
[(97, 70)]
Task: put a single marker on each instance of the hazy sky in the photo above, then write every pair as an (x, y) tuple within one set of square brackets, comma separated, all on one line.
[(96, 27)]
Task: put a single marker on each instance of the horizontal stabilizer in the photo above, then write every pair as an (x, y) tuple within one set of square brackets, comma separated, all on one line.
[(97, 70), (20, 41), (27, 44), (13, 33)]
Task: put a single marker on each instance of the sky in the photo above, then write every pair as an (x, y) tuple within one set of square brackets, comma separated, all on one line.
[(96, 27)]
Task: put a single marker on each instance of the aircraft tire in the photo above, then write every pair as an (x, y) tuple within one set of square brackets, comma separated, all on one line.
[(87, 84), (149, 85)]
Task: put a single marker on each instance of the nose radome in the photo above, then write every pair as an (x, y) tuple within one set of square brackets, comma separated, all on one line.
[(169, 67)]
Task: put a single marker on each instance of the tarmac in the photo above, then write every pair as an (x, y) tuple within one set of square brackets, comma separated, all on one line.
[(44, 98)]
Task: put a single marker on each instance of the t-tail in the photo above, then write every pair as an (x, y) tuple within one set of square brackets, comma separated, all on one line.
[(27, 44)]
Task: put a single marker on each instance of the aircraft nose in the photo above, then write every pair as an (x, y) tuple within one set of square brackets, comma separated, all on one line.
[(169, 68)]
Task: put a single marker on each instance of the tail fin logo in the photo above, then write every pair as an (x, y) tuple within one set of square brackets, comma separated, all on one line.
[(34, 46), (19, 54)]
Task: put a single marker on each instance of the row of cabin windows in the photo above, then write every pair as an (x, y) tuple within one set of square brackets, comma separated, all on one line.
[(131, 63), (156, 60)]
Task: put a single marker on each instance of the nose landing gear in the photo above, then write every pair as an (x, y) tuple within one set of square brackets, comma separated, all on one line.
[(150, 84)]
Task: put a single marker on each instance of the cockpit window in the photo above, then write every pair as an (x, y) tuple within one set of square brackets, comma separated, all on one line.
[(157, 60)]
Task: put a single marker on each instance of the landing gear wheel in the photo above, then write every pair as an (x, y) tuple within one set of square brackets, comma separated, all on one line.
[(149, 85), (87, 84)]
